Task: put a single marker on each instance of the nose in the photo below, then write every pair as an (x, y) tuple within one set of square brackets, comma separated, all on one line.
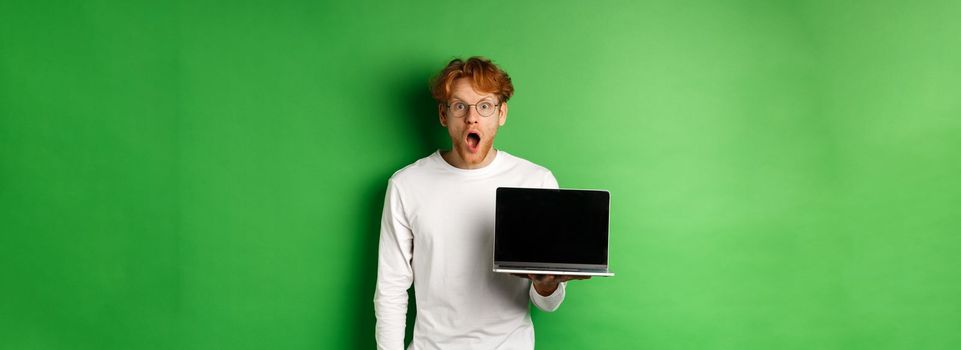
[(472, 117)]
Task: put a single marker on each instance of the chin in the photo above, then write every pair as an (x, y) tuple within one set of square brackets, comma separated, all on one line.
[(471, 158), (474, 158)]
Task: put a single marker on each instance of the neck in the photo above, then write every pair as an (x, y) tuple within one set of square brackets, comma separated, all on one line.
[(456, 161)]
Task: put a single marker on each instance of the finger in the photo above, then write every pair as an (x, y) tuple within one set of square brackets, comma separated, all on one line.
[(566, 278)]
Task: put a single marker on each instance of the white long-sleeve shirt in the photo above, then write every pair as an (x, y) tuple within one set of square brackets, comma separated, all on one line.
[(437, 232)]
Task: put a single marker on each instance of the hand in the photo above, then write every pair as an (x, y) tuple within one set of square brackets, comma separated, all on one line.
[(546, 284)]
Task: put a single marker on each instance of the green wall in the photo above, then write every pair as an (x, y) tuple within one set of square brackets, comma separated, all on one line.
[(210, 175)]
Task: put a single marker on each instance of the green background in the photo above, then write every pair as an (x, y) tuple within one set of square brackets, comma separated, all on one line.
[(210, 175)]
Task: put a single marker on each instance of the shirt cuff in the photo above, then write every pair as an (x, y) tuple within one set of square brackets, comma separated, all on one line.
[(550, 302)]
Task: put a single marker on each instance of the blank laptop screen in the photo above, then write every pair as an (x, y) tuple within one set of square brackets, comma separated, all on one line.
[(551, 226)]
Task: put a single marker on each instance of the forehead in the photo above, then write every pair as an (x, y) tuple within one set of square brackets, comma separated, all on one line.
[(462, 89)]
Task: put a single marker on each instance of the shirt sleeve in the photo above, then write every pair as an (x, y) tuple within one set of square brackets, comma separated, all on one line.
[(394, 273), (550, 181), (553, 301)]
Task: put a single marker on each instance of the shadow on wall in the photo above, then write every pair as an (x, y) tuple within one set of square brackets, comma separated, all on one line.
[(418, 117)]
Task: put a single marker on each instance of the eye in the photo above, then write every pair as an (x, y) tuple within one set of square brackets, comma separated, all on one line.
[(485, 106), (459, 106)]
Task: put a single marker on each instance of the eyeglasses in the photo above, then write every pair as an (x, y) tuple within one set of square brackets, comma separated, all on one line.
[(459, 109)]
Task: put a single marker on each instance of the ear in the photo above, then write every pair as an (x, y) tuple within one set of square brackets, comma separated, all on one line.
[(503, 114), (442, 114)]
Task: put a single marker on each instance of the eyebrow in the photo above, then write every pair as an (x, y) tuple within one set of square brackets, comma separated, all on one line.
[(492, 98)]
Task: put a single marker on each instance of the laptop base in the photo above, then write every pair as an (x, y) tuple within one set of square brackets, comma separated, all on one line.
[(555, 272)]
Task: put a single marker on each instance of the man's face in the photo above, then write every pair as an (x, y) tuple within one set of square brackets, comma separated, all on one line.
[(471, 133)]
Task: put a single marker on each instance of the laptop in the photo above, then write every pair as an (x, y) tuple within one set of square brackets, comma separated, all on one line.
[(552, 231)]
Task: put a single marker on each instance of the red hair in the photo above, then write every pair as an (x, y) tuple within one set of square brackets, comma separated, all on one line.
[(485, 76)]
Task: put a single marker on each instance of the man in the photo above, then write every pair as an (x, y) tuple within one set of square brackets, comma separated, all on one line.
[(438, 224)]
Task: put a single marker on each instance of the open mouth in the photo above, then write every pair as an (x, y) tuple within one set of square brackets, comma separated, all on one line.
[(473, 141)]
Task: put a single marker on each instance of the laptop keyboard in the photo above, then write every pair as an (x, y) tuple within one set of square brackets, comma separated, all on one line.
[(550, 268)]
